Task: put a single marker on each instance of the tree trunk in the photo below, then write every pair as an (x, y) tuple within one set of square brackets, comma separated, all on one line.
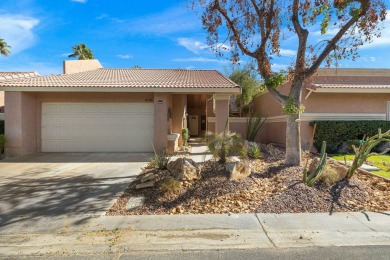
[(293, 140), (293, 130)]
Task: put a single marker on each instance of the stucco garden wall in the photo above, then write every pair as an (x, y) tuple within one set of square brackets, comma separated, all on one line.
[(321, 106)]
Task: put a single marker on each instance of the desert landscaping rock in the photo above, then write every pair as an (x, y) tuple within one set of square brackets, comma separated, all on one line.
[(232, 159), (240, 171), (150, 176), (184, 169), (272, 187), (135, 202), (145, 185)]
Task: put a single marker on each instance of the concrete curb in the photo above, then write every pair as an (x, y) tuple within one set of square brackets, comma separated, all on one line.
[(118, 234)]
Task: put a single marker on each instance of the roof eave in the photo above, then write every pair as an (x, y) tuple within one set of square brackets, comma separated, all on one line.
[(349, 90), (235, 90)]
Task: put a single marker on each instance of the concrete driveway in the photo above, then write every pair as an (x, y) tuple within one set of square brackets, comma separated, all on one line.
[(60, 184)]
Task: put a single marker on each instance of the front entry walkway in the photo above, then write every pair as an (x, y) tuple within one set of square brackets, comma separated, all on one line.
[(199, 151)]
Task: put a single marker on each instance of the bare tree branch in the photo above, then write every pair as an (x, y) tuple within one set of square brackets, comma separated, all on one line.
[(365, 5), (260, 14), (235, 31), (302, 37), (277, 95)]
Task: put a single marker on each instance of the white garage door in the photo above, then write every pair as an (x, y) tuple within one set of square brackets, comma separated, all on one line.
[(97, 127)]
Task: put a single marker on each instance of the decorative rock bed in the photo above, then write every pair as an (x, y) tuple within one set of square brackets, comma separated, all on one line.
[(271, 187)]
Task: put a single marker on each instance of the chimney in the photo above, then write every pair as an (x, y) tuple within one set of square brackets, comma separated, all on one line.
[(75, 66)]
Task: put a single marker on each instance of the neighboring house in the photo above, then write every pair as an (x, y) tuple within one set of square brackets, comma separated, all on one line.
[(333, 94), (94, 109), (4, 76)]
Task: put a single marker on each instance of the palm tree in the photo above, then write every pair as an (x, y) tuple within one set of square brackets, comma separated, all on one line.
[(4, 48), (82, 52)]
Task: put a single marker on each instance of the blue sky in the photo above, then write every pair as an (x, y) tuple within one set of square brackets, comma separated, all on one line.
[(123, 33)]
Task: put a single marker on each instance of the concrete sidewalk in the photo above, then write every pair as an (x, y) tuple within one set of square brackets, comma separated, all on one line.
[(77, 235)]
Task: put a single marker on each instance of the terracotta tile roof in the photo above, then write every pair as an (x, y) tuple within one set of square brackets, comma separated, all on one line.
[(4, 76), (130, 78)]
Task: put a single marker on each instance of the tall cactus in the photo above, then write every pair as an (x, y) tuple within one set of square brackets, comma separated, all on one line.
[(364, 150), (313, 177)]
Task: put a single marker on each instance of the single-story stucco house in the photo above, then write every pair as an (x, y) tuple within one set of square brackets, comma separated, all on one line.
[(333, 94), (94, 109), (10, 76)]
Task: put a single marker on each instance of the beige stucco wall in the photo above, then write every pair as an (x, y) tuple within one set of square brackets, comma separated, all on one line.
[(320, 103), (221, 115), (75, 66), (1, 101), (21, 123), (162, 103), (346, 103), (240, 128), (1, 98)]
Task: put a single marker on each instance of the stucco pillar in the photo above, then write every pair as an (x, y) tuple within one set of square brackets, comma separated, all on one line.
[(161, 121), (20, 123), (179, 110), (221, 112)]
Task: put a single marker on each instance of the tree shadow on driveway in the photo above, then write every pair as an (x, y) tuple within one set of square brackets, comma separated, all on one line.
[(44, 187)]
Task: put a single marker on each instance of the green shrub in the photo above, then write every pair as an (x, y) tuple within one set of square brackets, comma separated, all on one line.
[(159, 160), (185, 136), (1, 127), (253, 150), (170, 185), (335, 133), (3, 140), (224, 144)]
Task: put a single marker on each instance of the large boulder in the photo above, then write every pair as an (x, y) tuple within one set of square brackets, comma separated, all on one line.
[(184, 169), (239, 171), (334, 171), (341, 169)]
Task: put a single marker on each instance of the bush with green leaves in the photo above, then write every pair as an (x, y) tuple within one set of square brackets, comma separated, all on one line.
[(250, 87), (254, 124), (170, 186), (224, 144), (335, 133), (253, 150), (185, 135), (160, 160), (3, 140)]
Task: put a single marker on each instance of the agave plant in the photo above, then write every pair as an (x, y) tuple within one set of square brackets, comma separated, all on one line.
[(254, 124)]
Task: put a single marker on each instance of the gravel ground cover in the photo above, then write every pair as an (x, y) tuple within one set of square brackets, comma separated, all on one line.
[(271, 188)]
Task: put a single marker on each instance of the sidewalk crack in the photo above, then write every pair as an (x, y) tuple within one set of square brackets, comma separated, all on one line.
[(265, 231), (365, 224)]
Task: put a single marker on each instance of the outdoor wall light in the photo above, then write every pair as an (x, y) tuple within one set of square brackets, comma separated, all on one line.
[(160, 102)]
